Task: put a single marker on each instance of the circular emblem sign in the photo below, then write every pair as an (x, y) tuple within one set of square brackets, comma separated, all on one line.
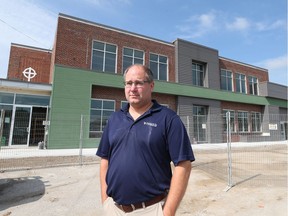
[(29, 73)]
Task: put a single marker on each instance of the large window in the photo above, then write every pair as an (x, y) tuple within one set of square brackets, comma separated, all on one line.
[(104, 57), (159, 66), (240, 83), (226, 80), (232, 120), (256, 121), (253, 85), (132, 56), (99, 114), (6, 98), (243, 123), (197, 74), (23, 99), (32, 100)]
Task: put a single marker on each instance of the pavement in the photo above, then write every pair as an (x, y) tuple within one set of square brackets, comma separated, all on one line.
[(75, 191)]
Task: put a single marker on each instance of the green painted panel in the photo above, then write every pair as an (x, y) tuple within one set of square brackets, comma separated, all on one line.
[(71, 98)]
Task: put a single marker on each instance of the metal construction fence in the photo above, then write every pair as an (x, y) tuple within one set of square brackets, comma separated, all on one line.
[(234, 157)]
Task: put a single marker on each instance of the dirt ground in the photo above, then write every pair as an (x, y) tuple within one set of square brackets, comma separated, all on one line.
[(75, 191)]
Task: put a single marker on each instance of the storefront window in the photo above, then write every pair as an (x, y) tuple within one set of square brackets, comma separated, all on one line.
[(6, 98), (32, 100)]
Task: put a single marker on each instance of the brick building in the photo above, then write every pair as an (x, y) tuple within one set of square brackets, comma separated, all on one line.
[(84, 70), (23, 57)]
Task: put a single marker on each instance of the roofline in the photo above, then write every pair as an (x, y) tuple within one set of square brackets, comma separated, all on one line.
[(244, 64), (196, 44), (114, 29), (31, 47)]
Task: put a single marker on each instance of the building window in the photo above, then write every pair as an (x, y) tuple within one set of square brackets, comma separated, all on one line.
[(226, 80), (240, 83), (39, 100), (6, 98), (159, 66), (132, 56), (100, 110), (256, 121), (123, 104), (104, 57), (243, 122), (253, 85), (232, 120), (197, 74)]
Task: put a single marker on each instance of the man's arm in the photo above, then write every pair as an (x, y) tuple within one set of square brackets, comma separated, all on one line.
[(178, 187), (103, 172)]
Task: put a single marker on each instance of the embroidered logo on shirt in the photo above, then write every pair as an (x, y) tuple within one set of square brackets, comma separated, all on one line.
[(150, 124)]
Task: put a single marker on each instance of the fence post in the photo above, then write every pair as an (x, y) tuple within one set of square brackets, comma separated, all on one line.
[(228, 134), (81, 141)]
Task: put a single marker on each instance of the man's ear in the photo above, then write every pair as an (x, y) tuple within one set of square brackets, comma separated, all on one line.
[(152, 85)]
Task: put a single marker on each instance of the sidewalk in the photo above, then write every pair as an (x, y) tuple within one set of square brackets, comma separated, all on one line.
[(6, 152)]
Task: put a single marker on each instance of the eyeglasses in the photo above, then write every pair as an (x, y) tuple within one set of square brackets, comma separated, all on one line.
[(138, 84)]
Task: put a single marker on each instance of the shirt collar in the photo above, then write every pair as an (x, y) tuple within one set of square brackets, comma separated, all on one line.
[(155, 107)]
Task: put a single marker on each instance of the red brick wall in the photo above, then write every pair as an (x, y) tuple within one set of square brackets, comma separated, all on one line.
[(75, 39), (118, 95), (24, 57), (262, 75), (241, 107)]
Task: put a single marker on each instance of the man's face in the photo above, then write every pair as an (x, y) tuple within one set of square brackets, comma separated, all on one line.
[(137, 90)]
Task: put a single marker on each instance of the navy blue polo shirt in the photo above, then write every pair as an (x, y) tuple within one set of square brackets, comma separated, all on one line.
[(139, 153)]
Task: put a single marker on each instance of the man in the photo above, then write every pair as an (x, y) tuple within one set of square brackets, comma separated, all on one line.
[(136, 149)]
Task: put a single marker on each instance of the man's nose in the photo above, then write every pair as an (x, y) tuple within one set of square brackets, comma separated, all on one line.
[(133, 86)]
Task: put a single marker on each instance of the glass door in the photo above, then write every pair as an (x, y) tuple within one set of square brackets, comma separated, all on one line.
[(200, 123), (284, 130), (21, 125)]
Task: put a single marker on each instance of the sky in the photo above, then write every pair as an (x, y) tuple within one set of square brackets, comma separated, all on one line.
[(249, 31)]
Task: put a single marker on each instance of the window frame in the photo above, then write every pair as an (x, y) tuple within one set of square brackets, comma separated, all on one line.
[(226, 79), (105, 52), (102, 124), (244, 120), (156, 74), (232, 120), (240, 82), (253, 85), (198, 75), (256, 122), (133, 57)]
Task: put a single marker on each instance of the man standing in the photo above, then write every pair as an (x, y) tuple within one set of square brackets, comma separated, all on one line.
[(136, 149)]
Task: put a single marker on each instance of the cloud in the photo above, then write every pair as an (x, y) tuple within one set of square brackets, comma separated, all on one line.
[(239, 24), (215, 22), (276, 63), (197, 25), (264, 26), (244, 24), (206, 20), (277, 68)]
